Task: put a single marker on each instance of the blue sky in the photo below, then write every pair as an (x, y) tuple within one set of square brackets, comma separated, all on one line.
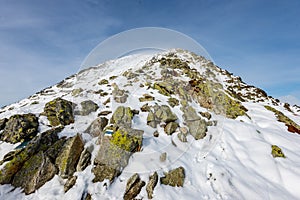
[(42, 42)]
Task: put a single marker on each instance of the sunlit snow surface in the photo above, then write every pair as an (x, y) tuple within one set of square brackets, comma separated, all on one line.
[(236, 164)]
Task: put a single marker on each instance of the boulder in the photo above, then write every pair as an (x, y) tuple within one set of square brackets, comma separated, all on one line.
[(165, 88), (153, 179), (277, 152), (122, 116), (2, 123), (97, 126), (68, 157), (34, 173), (88, 107), (59, 112), (84, 160), (120, 96), (77, 91), (197, 126), (174, 177), (160, 114), (70, 183), (145, 108), (19, 128), (133, 187), (146, 97), (170, 128), (163, 157), (103, 82)]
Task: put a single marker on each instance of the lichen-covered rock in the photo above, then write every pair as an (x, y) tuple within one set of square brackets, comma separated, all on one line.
[(277, 152), (160, 114), (97, 126), (197, 126), (145, 108), (103, 82), (170, 128), (153, 179), (34, 173), (292, 126), (174, 177), (104, 171), (88, 107), (2, 123), (122, 116), (68, 157), (164, 88), (19, 128), (70, 183), (173, 102), (146, 97), (84, 160), (59, 112), (133, 187)]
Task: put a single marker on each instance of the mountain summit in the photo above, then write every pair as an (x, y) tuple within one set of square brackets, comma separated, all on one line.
[(171, 125)]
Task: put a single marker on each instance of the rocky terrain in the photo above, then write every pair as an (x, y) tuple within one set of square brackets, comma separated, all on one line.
[(166, 126)]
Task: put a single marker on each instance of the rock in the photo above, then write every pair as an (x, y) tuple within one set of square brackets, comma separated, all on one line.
[(122, 116), (88, 196), (120, 96), (34, 173), (182, 137), (19, 128), (174, 177), (103, 172), (53, 151), (97, 126), (153, 179), (76, 92), (104, 113), (155, 134), (163, 157), (207, 115), (170, 128), (59, 112), (173, 102), (160, 114), (164, 88), (2, 123), (70, 183), (84, 160), (103, 82), (145, 108), (277, 152), (133, 187), (88, 107), (69, 156), (184, 130), (146, 97), (197, 126)]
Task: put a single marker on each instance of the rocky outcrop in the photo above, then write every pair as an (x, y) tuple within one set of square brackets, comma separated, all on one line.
[(174, 177), (160, 114), (133, 187), (70, 183), (34, 173), (153, 179), (59, 112), (19, 128), (68, 157), (88, 107), (197, 126), (97, 126)]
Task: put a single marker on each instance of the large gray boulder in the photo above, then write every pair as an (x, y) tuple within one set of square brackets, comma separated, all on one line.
[(59, 112), (19, 128), (34, 173), (87, 107), (122, 116), (97, 126), (160, 114)]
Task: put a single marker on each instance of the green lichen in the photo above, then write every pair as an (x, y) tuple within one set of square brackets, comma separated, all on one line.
[(123, 140)]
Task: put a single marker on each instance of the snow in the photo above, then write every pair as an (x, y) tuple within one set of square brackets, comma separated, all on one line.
[(233, 161)]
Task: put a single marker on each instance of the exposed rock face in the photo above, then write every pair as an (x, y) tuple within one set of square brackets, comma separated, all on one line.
[(122, 116), (277, 152), (174, 177), (68, 158), (197, 126), (70, 183), (59, 112), (19, 128), (17, 160), (88, 107), (153, 179), (160, 114), (34, 173), (97, 126), (133, 187), (2, 123), (84, 160)]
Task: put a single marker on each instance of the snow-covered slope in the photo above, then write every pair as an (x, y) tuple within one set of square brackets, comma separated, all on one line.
[(233, 161)]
